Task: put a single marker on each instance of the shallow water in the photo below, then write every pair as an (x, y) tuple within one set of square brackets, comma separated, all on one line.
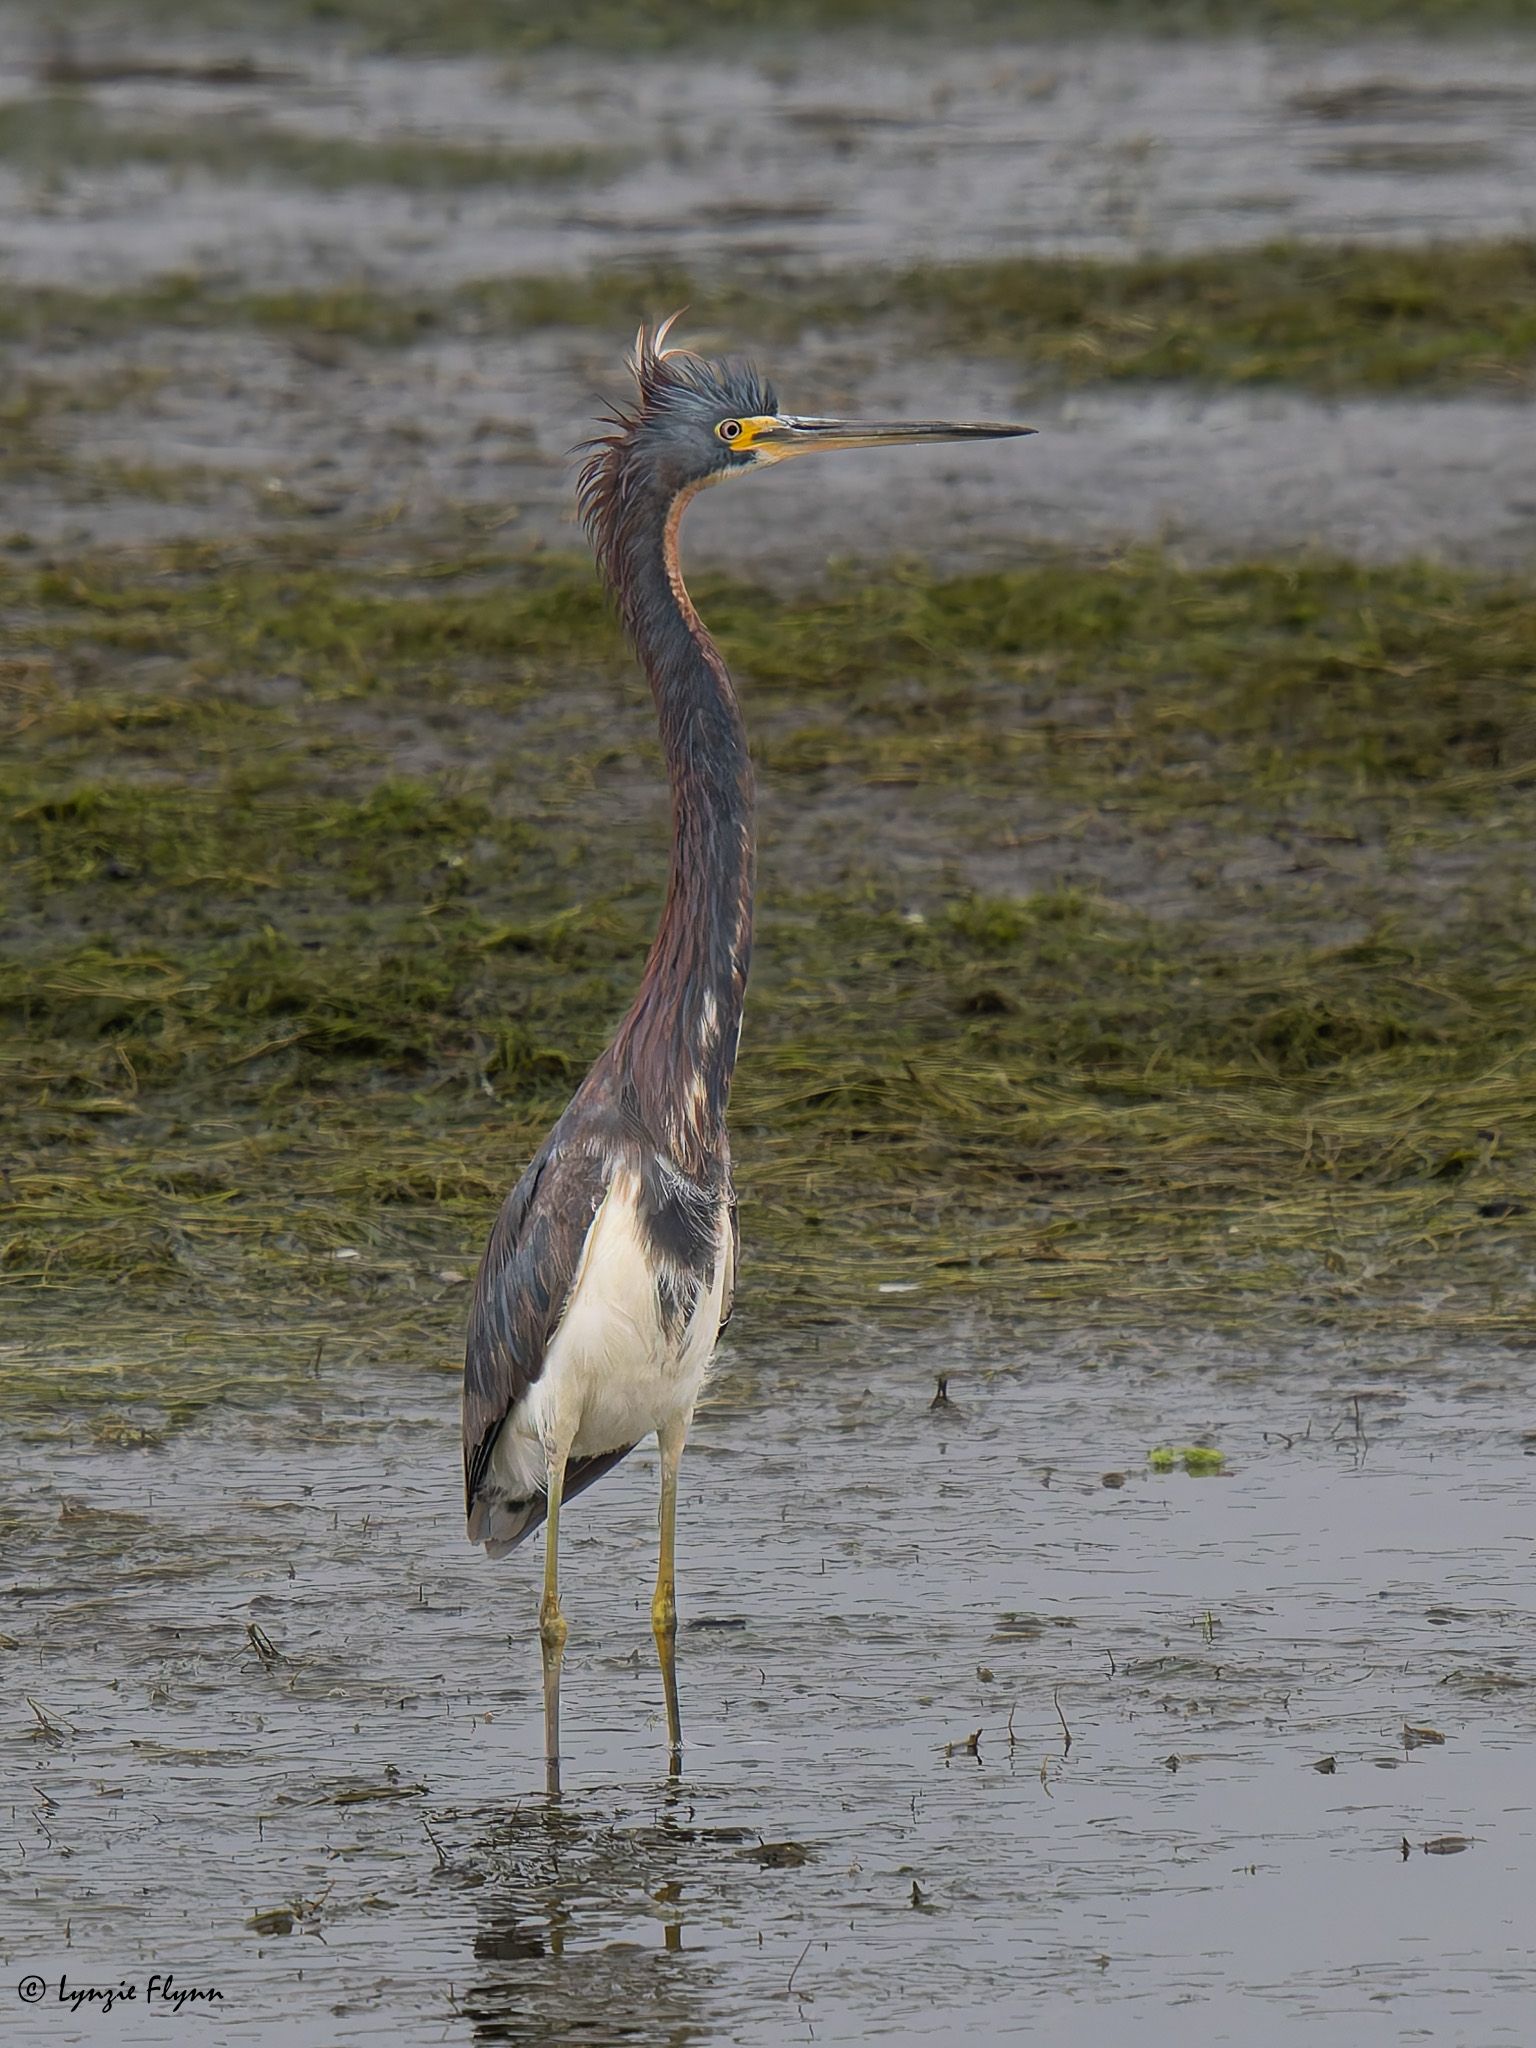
[(824, 152), (263, 433), (810, 155), (866, 1580)]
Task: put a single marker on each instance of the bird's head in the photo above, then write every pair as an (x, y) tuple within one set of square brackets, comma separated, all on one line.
[(696, 422)]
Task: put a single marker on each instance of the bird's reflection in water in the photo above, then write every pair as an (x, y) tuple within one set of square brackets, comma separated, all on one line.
[(507, 1936), (578, 1922)]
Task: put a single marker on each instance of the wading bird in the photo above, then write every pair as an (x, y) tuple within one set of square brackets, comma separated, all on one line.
[(610, 1270)]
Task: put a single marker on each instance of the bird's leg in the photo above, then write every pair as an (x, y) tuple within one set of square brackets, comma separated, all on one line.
[(670, 1441), (552, 1625)]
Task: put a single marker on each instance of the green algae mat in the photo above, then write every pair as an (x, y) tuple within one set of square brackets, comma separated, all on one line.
[(1135, 940), (1332, 318)]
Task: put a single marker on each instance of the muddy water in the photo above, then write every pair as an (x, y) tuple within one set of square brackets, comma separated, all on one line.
[(1243, 1831), (1379, 480), (828, 153), (261, 434), (811, 155)]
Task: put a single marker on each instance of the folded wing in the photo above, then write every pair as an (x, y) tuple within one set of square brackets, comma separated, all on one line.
[(521, 1292)]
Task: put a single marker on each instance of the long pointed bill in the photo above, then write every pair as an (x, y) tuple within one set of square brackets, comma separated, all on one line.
[(785, 435)]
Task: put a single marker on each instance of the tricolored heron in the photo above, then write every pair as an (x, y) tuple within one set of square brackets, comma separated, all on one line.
[(610, 1270)]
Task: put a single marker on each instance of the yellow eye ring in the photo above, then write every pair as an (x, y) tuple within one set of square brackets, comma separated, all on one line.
[(728, 430)]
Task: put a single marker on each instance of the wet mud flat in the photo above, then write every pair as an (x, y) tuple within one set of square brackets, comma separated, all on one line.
[(989, 1720)]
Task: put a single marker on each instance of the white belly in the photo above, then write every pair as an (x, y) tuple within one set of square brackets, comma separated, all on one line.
[(614, 1372)]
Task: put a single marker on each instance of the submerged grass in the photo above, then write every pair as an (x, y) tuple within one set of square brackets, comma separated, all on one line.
[(64, 135), (327, 880), (1332, 318), (1326, 318)]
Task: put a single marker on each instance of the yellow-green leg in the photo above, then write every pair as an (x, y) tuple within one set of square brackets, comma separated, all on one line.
[(552, 1626), (670, 1441)]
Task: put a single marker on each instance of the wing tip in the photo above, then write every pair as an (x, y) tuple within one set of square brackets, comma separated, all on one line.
[(500, 1525)]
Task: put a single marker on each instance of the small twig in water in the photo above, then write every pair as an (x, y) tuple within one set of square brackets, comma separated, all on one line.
[(1066, 1747), (789, 1987), (263, 1645), (51, 1726)]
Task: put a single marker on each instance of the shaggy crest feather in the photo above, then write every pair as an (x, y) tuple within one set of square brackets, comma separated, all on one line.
[(675, 387)]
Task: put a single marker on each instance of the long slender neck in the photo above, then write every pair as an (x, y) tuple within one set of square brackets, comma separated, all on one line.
[(676, 1049)]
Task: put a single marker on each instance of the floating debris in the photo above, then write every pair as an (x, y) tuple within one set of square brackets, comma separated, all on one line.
[(778, 1855), (263, 1645), (272, 1920), (50, 1727), (1199, 1460), (1421, 1738), (358, 1795)]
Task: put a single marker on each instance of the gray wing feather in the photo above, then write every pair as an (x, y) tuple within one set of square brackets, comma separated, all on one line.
[(521, 1293)]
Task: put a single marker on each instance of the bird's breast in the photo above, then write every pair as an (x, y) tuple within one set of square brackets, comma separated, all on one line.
[(634, 1346)]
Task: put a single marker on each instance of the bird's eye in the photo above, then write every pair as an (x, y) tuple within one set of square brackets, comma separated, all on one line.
[(728, 430)]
